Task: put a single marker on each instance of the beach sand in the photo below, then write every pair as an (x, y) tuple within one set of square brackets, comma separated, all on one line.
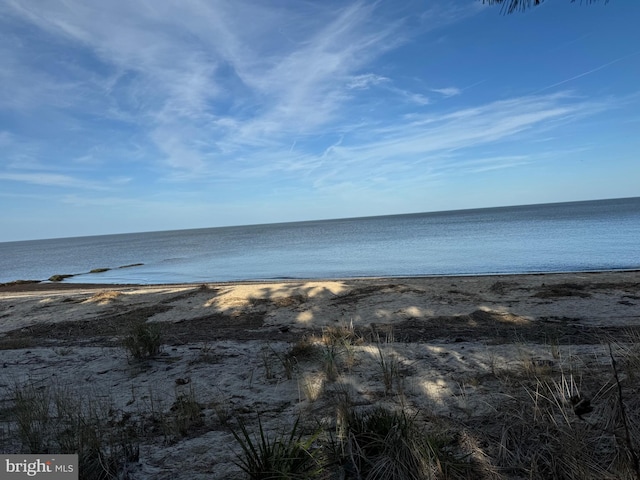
[(466, 353)]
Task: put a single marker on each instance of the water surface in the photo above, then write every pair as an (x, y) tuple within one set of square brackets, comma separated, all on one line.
[(578, 236)]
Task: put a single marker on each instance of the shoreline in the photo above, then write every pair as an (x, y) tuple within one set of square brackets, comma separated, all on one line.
[(40, 285)]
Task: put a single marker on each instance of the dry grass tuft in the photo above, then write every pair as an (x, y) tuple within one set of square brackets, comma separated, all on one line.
[(104, 298), (311, 385), (385, 444), (186, 413), (558, 431), (341, 335)]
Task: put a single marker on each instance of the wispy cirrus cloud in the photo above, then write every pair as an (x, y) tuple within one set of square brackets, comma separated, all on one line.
[(448, 91), (431, 145), (366, 80), (426, 145), (438, 15), (51, 180), (469, 127), (371, 80)]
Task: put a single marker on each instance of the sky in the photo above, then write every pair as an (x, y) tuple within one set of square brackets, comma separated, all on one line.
[(132, 116)]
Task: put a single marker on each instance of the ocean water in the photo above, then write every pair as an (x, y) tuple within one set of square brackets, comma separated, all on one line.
[(577, 236)]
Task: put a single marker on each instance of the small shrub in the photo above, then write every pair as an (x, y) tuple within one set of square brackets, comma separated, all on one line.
[(143, 340)]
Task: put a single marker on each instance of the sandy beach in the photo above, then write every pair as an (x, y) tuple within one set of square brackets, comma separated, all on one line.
[(490, 364)]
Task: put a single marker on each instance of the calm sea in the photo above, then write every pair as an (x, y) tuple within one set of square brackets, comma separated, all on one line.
[(579, 236)]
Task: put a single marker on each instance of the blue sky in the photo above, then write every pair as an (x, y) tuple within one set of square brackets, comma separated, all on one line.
[(124, 116)]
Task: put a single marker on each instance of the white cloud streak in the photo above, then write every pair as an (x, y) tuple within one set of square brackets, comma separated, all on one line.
[(448, 91), (469, 127), (50, 180), (366, 80)]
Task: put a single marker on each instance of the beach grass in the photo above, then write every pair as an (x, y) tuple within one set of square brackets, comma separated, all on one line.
[(51, 419)]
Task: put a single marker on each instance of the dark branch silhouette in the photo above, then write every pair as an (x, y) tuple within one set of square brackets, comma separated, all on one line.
[(510, 6)]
